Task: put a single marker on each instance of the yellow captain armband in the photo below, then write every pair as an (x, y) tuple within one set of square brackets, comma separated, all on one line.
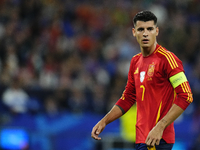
[(177, 79)]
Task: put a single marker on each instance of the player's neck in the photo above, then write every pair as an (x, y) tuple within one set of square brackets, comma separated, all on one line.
[(146, 51)]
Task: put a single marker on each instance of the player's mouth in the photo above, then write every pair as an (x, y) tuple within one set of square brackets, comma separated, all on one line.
[(145, 41)]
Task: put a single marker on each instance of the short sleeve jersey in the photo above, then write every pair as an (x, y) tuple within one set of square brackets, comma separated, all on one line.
[(149, 86)]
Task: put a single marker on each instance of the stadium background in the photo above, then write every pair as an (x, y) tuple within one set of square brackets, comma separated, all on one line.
[(64, 63)]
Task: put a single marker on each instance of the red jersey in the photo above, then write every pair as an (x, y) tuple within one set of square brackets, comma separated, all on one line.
[(149, 86)]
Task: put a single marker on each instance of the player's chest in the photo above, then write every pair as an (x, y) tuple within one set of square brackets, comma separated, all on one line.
[(148, 72)]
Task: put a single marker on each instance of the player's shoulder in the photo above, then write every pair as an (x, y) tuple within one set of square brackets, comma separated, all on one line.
[(135, 59), (137, 56), (168, 57), (162, 52)]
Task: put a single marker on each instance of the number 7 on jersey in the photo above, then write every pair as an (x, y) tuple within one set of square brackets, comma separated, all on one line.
[(143, 90)]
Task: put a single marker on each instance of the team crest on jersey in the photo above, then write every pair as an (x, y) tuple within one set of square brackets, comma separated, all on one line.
[(142, 76), (151, 70)]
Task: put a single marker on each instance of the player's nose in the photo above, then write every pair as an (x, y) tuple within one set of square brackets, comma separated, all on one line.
[(145, 33)]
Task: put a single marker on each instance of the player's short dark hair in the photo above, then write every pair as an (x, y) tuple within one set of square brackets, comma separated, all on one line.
[(145, 16)]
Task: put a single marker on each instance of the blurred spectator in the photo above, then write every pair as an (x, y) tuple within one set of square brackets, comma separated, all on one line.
[(99, 100), (15, 98), (48, 75), (80, 51), (194, 145), (77, 102), (51, 107), (87, 44), (62, 96)]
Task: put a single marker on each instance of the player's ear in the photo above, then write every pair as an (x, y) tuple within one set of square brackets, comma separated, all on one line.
[(133, 31), (157, 31)]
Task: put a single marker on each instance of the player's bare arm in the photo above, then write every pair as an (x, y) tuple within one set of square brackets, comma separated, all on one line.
[(112, 115), (155, 134)]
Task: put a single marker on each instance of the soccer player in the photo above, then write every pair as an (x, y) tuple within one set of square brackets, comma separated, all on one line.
[(157, 83)]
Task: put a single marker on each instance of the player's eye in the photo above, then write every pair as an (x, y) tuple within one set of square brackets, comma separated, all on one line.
[(150, 28), (140, 29)]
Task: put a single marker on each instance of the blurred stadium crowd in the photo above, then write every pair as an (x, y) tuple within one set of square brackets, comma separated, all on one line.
[(64, 55)]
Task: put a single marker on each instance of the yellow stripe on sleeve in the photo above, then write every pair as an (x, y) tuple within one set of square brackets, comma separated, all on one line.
[(178, 79), (167, 59), (191, 98), (188, 99), (174, 60), (183, 88), (157, 49), (186, 85), (171, 57)]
